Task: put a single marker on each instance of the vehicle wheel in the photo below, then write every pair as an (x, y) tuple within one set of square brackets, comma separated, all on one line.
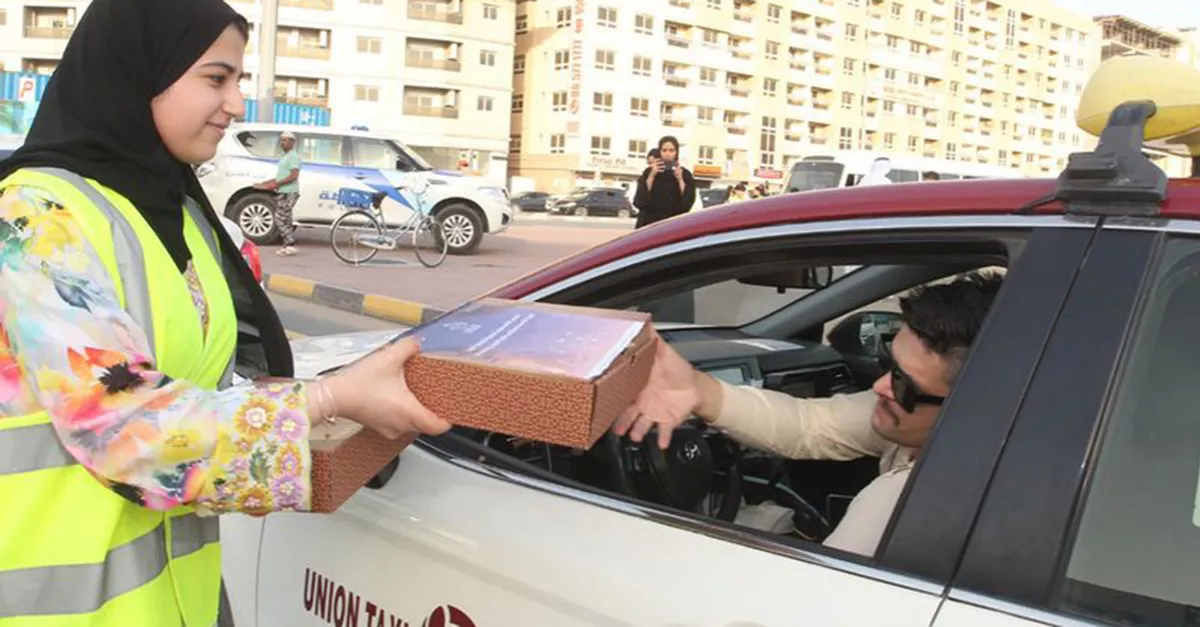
[(348, 233), (463, 228), (581, 211), (429, 243), (624, 214), (255, 216)]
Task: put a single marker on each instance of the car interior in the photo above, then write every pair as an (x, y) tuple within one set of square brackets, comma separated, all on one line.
[(839, 314)]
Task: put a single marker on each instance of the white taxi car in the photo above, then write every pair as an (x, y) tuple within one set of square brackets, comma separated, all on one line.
[(468, 206), (1059, 487)]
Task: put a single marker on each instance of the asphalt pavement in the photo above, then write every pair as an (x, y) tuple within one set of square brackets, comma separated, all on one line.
[(304, 318)]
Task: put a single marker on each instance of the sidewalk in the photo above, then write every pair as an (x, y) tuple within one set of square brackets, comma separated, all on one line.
[(409, 293)]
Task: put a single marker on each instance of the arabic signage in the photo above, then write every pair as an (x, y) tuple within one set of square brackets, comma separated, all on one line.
[(904, 94), (337, 605), (577, 57), (768, 173)]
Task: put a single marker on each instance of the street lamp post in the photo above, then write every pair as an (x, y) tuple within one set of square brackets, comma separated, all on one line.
[(266, 60)]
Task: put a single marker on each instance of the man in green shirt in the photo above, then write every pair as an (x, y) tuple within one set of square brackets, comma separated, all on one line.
[(286, 186)]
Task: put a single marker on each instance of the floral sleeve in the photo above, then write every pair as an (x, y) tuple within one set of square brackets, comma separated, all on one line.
[(66, 346)]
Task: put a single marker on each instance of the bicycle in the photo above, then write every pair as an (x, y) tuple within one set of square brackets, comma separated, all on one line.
[(363, 222)]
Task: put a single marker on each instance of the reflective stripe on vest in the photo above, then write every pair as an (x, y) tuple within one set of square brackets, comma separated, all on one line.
[(34, 448)]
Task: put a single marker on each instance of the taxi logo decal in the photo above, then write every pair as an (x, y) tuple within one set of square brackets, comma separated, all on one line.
[(337, 605)]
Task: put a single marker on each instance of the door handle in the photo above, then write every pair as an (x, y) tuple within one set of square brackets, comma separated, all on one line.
[(360, 176)]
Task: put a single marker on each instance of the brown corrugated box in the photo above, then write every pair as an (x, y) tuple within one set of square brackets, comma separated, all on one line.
[(550, 408)]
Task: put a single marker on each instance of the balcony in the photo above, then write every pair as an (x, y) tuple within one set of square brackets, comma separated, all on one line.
[(417, 60), (675, 80), (678, 40), (302, 49), (309, 101), (430, 111), (49, 32), (672, 120), (735, 128), (434, 12), (740, 54), (739, 91), (742, 15), (320, 5)]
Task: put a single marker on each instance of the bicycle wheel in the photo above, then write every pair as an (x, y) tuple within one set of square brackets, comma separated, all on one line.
[(348, 233), (429, 242)]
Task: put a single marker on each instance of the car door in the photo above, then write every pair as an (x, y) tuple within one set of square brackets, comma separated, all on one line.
[(322, 174), (1092, 517), (373, 165)]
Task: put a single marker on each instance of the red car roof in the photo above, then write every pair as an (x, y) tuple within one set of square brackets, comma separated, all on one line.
[(975, 197)]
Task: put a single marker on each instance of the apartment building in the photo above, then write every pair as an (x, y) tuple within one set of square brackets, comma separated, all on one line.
[(749, 86), (433, 73)]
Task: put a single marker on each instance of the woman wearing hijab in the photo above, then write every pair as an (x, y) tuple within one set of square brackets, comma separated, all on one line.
[(666, 188), (124, 312)]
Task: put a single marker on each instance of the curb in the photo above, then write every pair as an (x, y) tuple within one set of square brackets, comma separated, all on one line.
[(374, 305)]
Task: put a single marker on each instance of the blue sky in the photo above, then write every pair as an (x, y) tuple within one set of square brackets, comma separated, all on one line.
[(1170, 13)]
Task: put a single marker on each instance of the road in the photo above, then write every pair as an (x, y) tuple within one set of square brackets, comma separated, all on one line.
[(304, 318)]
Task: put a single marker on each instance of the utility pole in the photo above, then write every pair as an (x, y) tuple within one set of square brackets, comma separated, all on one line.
[(266, 60)]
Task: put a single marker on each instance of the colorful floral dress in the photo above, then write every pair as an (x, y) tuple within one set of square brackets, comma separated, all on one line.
[(66, 346)]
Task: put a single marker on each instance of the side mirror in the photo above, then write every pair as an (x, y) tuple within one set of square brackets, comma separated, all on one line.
[(803, 278), (865, 333)]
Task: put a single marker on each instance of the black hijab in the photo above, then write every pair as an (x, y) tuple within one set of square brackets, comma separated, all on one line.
[(95, 120)]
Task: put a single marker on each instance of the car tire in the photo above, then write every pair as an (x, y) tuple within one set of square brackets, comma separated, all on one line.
[(463, 228), (624, 214), (581, 212), (255, 216)]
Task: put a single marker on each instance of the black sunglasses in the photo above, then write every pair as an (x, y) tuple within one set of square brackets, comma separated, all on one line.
[(907, 394)]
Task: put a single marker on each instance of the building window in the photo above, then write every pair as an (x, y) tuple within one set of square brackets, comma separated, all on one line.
[(709, 38), (707, 155), (706, 115), (889, 141), (913, 140), (951, 151), (375, 2), (639, 107), (774, 13), (606, 60), (847, 100), (370, 45), (893, 42), (601, 146), (366, 93), (491, 12), (770, 86), (558, 144), (849, 66), (518, 103), (607, 17), (641, 66), (911, 110), (772, 51), (846, 139), (559, 102), (708, 77), (487, 58), (643, 24), (562, 60), (714, 4), (914, 80), (851, 32), (889, 75), (563, 18), (514, 144), (485, 103), (519, 64), (637, 148), (889, 106), (919, 16), (522, 24), (960, 15), (766, 142), (602, 102), (897, 11)]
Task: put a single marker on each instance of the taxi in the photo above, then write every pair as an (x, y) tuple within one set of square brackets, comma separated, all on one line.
[(1060, 487)]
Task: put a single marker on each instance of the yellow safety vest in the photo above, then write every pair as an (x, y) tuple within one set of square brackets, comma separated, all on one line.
[(72, 552)]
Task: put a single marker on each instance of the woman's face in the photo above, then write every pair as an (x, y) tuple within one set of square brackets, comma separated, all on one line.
[(192, 114), (669, 151)]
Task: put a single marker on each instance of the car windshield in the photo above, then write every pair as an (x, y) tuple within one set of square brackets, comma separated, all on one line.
[(579, 193), (809, 175), (402, 148)]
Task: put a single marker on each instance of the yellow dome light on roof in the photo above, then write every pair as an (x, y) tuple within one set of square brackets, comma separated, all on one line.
[(1173, 87)]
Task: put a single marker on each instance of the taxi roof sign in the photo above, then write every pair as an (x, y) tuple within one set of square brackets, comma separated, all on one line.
[(1173, 87)]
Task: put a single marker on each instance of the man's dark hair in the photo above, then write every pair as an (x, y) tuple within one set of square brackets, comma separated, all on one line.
[(947, 316), (931, 176)]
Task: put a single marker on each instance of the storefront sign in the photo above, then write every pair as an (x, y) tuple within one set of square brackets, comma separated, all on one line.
[(707, 171), (768, 173), (577, 55)]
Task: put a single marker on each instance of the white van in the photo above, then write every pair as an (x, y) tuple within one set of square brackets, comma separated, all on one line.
[(469, 206), (847, 167)]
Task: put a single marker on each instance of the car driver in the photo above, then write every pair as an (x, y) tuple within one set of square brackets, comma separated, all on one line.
[(892, 420)]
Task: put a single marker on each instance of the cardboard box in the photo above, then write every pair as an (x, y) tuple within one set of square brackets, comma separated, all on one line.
[(512, 396)]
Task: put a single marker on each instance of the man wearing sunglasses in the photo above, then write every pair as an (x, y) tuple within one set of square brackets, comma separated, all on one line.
[(891, 421)]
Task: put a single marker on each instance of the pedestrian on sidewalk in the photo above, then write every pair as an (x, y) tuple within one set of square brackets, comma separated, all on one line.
[(125, 312), (286, 186)]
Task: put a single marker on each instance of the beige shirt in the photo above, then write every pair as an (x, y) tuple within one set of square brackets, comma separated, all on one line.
[(837, 428)]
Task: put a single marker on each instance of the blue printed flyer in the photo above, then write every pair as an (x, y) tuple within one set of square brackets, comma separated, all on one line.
[(551, 339)]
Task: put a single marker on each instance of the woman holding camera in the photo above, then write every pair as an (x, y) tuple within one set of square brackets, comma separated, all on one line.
[(666, 188)]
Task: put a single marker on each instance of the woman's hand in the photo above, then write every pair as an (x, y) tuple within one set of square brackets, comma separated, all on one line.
[(373, 393)]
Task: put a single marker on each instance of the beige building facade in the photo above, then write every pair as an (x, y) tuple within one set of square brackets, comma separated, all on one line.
[(432, 73), (750, 86)]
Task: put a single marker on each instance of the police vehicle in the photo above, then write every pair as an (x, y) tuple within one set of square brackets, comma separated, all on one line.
[(468, 206), (1060, 486)]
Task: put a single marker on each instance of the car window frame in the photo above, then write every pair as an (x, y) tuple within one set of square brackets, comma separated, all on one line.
[(344, 157), (882, 566), (1007, 565)]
